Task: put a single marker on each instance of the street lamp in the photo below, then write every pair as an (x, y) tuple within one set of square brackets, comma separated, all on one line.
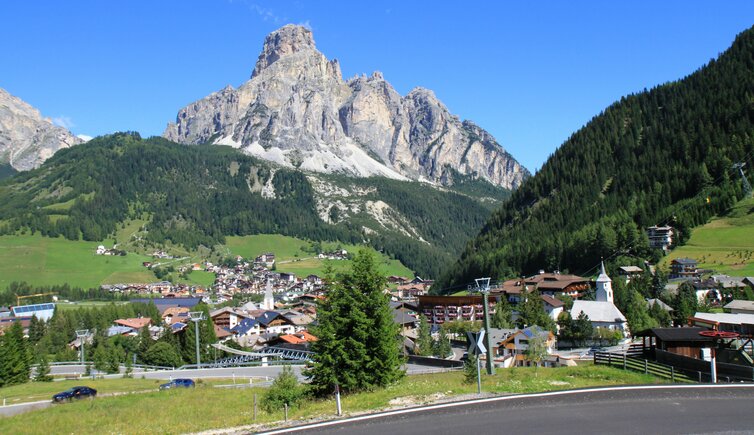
[(483, 285), (81, 334), (196, 317)]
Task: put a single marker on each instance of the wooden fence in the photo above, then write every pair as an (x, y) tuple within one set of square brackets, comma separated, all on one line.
[(642, 365)]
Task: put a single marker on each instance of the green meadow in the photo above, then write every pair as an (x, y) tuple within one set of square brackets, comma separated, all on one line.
[(45, 261), (294, 255), (725, 244)]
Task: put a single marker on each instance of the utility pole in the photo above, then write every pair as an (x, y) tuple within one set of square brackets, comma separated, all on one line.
[(483, 285), (81, 334), (196, 317)]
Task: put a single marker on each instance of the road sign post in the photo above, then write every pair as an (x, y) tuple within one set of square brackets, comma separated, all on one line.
[(476, 348), (483, 284)]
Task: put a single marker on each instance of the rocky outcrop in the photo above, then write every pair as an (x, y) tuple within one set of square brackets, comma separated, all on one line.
[(298, 111), (27, 139)]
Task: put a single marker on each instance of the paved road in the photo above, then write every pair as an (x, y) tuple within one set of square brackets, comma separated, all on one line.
[(661, 410)]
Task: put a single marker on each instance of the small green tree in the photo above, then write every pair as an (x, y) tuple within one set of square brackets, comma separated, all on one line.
[(43, 370), (285, 389), (503, 316), (470, 369), (582, 328), (423, 338), (442, 348), (163, 354), (536, 350), (128, 373)]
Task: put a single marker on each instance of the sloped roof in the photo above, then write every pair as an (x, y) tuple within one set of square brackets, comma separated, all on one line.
[(598, 311), (651, 302), (553, 302), (244, 326), (740, 305), (118, 330), (135, 323), (681, 334), (727, 318)]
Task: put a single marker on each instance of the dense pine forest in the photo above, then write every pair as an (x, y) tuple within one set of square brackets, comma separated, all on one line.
[(197, 195), (662, 156)]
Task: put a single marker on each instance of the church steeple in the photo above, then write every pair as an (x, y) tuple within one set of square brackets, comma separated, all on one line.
[(604, 286), (269, 300)]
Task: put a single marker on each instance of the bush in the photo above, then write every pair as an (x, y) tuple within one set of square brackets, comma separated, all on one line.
[(285, 389), (470, 370)]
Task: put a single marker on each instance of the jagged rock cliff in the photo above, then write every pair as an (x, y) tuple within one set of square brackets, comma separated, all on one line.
[(27, 139), (298, 111)]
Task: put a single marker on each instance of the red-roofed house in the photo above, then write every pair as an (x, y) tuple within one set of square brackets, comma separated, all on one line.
[(136, 323)]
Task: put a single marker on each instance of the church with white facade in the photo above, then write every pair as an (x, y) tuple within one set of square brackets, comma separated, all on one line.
[(602, 312)]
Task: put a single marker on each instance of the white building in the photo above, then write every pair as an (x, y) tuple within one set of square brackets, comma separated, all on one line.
[(602, 312)]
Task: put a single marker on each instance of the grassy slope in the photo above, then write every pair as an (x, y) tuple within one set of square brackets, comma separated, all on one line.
[(44, 261), (292, 258), (725, 245), (208, 408)]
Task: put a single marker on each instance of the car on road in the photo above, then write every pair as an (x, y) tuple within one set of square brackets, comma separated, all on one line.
[(178, 383), (74, 393)]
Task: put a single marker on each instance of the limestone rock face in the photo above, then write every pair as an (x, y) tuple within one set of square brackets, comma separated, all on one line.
[(27, 139), (298, 111)]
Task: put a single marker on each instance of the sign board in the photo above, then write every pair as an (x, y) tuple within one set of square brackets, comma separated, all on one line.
[(476, 342)]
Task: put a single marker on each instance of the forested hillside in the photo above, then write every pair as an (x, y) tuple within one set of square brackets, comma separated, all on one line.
[(659, 156), (197, 195)]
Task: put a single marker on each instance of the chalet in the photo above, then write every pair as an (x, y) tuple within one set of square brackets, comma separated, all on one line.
[(227, 317), (514, 343), (393, 279), (684, 268), (175, 314), (275, 323), (441, 309), (135, 323), (160, 287), (553, 306), (410, 291), (268, 259), (551, 284), (223, 334), (121, 330), (165, 303), (630, 272), (246, 331), (660, 237)]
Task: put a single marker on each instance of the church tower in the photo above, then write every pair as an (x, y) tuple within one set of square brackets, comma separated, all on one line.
[(604, 287), (269, 300)]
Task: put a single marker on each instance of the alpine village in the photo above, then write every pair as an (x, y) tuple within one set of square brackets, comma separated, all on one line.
[(304, 247)]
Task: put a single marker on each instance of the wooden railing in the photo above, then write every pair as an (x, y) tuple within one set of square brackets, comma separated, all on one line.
[(628, 362)]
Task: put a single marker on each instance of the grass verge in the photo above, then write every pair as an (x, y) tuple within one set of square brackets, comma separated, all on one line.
[(205, 408)]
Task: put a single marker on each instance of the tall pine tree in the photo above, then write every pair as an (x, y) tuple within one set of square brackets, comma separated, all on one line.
[(358, 342)]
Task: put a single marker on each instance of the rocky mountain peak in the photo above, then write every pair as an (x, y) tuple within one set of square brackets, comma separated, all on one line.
[(287, 40), (27, 139), (297, 111)]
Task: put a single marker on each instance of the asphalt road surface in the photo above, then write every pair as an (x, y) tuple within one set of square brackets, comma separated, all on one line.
[(696, 410)]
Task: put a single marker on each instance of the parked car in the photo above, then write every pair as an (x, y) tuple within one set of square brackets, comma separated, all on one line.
[(178, 383), (74, 393)]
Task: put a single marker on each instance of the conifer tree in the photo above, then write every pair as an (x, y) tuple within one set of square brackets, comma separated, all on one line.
[(424, 337), (43, 370), (15, 357), (358, 342), (503, 316)]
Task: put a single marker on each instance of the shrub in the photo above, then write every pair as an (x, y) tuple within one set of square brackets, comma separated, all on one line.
[(284, 389)]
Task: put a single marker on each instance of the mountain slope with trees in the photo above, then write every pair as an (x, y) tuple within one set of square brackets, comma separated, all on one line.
[(662, 156), (194, 196)]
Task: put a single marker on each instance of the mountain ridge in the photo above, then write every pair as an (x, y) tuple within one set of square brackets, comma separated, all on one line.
[(297, 110), (659, 157), (26, 138)]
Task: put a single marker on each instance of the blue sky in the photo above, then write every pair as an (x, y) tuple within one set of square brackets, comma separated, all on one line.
[(531, 73)]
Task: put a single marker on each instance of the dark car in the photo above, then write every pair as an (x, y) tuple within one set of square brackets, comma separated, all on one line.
[(74, 393), (177, 383)]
